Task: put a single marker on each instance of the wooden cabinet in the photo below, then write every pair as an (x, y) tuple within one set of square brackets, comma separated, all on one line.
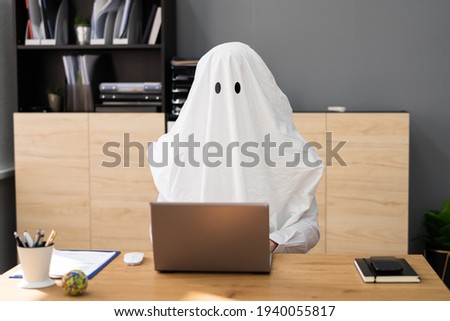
[(52, 175), (64, 182), (363, 194), (87, 176), (367, 200), (121, 192)]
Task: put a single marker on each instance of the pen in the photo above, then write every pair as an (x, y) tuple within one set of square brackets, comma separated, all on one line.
[(28, 239), (37, 237), (18, 240), (51, 238), (42, 243)]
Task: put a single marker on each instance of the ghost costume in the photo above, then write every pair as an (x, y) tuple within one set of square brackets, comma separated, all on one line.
[(235, 141)]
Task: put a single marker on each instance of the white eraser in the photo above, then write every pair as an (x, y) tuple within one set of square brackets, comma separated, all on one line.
[(339, 109), (133, 258)]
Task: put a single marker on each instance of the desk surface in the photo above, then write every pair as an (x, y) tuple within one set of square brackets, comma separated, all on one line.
[(293, 277)]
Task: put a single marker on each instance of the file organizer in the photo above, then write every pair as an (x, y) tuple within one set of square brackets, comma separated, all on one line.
[(48, 23), (79, 98), (103, 21), (79, 70), (182, 77), (117, 22), (128, 25)]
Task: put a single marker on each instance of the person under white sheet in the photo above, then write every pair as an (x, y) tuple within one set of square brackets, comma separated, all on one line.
[(235, 141)]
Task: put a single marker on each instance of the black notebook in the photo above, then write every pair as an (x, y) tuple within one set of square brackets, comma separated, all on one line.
[(386, 269)]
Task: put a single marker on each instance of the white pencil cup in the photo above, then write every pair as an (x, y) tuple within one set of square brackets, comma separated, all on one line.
[(35, 262)]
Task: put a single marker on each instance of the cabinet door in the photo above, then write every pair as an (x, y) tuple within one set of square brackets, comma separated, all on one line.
[(52, 176), (312, 127), (367, 199), (121, 182)]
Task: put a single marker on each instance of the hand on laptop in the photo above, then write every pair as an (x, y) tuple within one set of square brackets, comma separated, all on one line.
[(272, 245)]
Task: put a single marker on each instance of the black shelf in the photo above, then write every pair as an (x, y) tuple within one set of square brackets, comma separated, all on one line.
[(89, 47), (40, 67)]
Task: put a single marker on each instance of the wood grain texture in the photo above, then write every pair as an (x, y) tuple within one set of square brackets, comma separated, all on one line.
[(61, 183), (52, 176), (120, 195), (293, 278), (312, 126), (367, 200)]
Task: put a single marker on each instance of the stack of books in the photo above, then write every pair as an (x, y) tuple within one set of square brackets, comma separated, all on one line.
[(386, 269), (130, 97), (183, 71)]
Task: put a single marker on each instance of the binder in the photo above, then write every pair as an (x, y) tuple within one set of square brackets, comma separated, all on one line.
[(126, 109), (130, 97), (130, 87), (155, 27), (69, 69), (149, 24), (133, 103), (86, 65), (45, 31), (101, 20), (109, 27), (117, 22), (48, 23), (108, 32), (49, 12), (34, 14), (133, 30), (29, 35), (61, 25), (125, 18)]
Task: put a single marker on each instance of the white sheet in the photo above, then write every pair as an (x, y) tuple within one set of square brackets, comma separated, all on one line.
[(235, 106)]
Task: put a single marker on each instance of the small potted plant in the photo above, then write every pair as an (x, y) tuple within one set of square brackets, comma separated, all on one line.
[(55, 99), (437, 240), (82, 30)]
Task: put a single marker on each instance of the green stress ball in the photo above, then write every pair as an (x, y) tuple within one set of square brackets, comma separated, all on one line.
[(75, 282)]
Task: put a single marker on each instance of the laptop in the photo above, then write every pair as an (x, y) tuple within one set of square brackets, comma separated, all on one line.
[(210, 237)]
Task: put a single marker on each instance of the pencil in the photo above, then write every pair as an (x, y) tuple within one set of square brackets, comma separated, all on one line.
[(51, 238)]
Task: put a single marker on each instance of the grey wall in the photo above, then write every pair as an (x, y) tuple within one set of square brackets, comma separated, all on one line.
[(7, 107), (364, 54), (368, 55), (7, 85)]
